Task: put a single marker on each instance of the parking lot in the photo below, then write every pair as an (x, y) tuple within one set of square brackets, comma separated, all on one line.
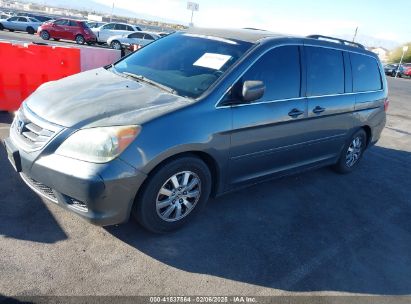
[(314, 233), (22, 37)]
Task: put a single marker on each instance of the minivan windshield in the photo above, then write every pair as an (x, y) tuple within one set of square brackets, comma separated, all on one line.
[(186, 63)]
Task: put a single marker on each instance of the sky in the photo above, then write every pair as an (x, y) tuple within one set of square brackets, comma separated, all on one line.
[(380, 22), (379, 19)]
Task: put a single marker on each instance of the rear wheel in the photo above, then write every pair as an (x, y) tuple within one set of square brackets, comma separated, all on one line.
[(44, 35), (30, 30), (115, 45), (173, 194), (352, 152), (80, 39)]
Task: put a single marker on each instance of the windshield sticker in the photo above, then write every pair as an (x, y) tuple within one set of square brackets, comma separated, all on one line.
[(212, 60)]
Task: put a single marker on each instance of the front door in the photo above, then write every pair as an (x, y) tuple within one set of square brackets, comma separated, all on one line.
[(269, 135)]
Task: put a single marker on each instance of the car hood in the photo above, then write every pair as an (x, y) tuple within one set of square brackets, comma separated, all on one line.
[(101, 98)]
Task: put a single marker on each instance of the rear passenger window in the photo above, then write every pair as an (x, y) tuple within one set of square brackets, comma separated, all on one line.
[(279, 69), (365, 73), (120, 27), (325, 71), (109, 26)]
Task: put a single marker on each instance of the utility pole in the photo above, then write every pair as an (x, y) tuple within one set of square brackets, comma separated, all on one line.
[(355, 34), (404, 50), (193, 7), (111, 15)]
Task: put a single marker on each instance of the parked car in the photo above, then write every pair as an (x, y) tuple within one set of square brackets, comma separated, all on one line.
[(405, 70), (67, 29), (163, 34), (135, 137), (20, 23), (108, 30), (391, 69), (42, 18), (95, 24), (4, 16), (136, 38)]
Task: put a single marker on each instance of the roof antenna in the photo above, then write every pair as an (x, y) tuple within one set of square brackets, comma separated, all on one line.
[(355, 34)]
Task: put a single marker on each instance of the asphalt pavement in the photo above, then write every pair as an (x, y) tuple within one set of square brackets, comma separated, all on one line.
[(317, 233)]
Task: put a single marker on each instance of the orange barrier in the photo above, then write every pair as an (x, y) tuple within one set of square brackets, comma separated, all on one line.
[(23, 68)]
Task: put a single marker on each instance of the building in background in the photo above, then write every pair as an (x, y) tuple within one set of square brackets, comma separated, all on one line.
[(381, 52)]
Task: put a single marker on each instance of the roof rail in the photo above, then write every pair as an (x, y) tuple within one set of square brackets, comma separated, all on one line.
[(342, 41)]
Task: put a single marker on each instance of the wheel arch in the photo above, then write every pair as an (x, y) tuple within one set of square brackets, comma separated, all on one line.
[(368, 132), (207, 158)]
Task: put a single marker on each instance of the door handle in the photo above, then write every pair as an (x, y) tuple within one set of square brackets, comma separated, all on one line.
[(318, 110), (295, 113)]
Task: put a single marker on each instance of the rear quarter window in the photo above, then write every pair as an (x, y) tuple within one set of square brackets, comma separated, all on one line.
[(366, 73)]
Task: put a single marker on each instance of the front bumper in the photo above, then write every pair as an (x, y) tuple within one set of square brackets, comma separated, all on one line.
[(103, 194)]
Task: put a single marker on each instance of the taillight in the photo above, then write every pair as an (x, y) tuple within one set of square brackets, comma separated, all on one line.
[(386, 104)]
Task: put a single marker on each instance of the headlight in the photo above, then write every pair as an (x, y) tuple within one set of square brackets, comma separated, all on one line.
[(98, 145)]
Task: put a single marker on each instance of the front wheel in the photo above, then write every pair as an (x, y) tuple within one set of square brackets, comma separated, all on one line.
[(352, 152), (173, 194)]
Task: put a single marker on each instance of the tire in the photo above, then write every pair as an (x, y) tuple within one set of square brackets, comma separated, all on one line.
[(160, 206), (30, 30), (1, 27), (44, 35), (393, 74), (115, 44), (11, 30), (56, 39), (80, 39), (352, 153)]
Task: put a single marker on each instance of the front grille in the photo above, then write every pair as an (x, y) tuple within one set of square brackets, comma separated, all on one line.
[(39, 187), (30, 132)]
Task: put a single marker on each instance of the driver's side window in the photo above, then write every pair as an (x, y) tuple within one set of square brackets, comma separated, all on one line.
[(280, 71)]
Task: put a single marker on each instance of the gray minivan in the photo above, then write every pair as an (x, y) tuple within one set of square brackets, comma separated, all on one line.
[(194, 114)]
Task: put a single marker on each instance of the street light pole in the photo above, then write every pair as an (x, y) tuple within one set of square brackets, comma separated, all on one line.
[(111, 16), (404, 50)]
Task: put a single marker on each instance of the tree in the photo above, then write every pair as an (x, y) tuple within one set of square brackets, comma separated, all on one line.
[(395, 55)]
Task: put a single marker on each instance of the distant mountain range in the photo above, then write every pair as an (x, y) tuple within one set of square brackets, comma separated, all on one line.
[(370, 41), (94, 6)]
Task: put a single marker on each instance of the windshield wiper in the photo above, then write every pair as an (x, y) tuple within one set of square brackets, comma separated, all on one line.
[(152, 82)]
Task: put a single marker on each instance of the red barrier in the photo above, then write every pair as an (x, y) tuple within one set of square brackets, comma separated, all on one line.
[(23, 68)]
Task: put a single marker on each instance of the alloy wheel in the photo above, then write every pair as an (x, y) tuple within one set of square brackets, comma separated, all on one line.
[(178, 196), (353, 152)]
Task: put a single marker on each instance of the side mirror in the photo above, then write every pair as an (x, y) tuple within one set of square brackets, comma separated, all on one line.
[(252, 90)]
